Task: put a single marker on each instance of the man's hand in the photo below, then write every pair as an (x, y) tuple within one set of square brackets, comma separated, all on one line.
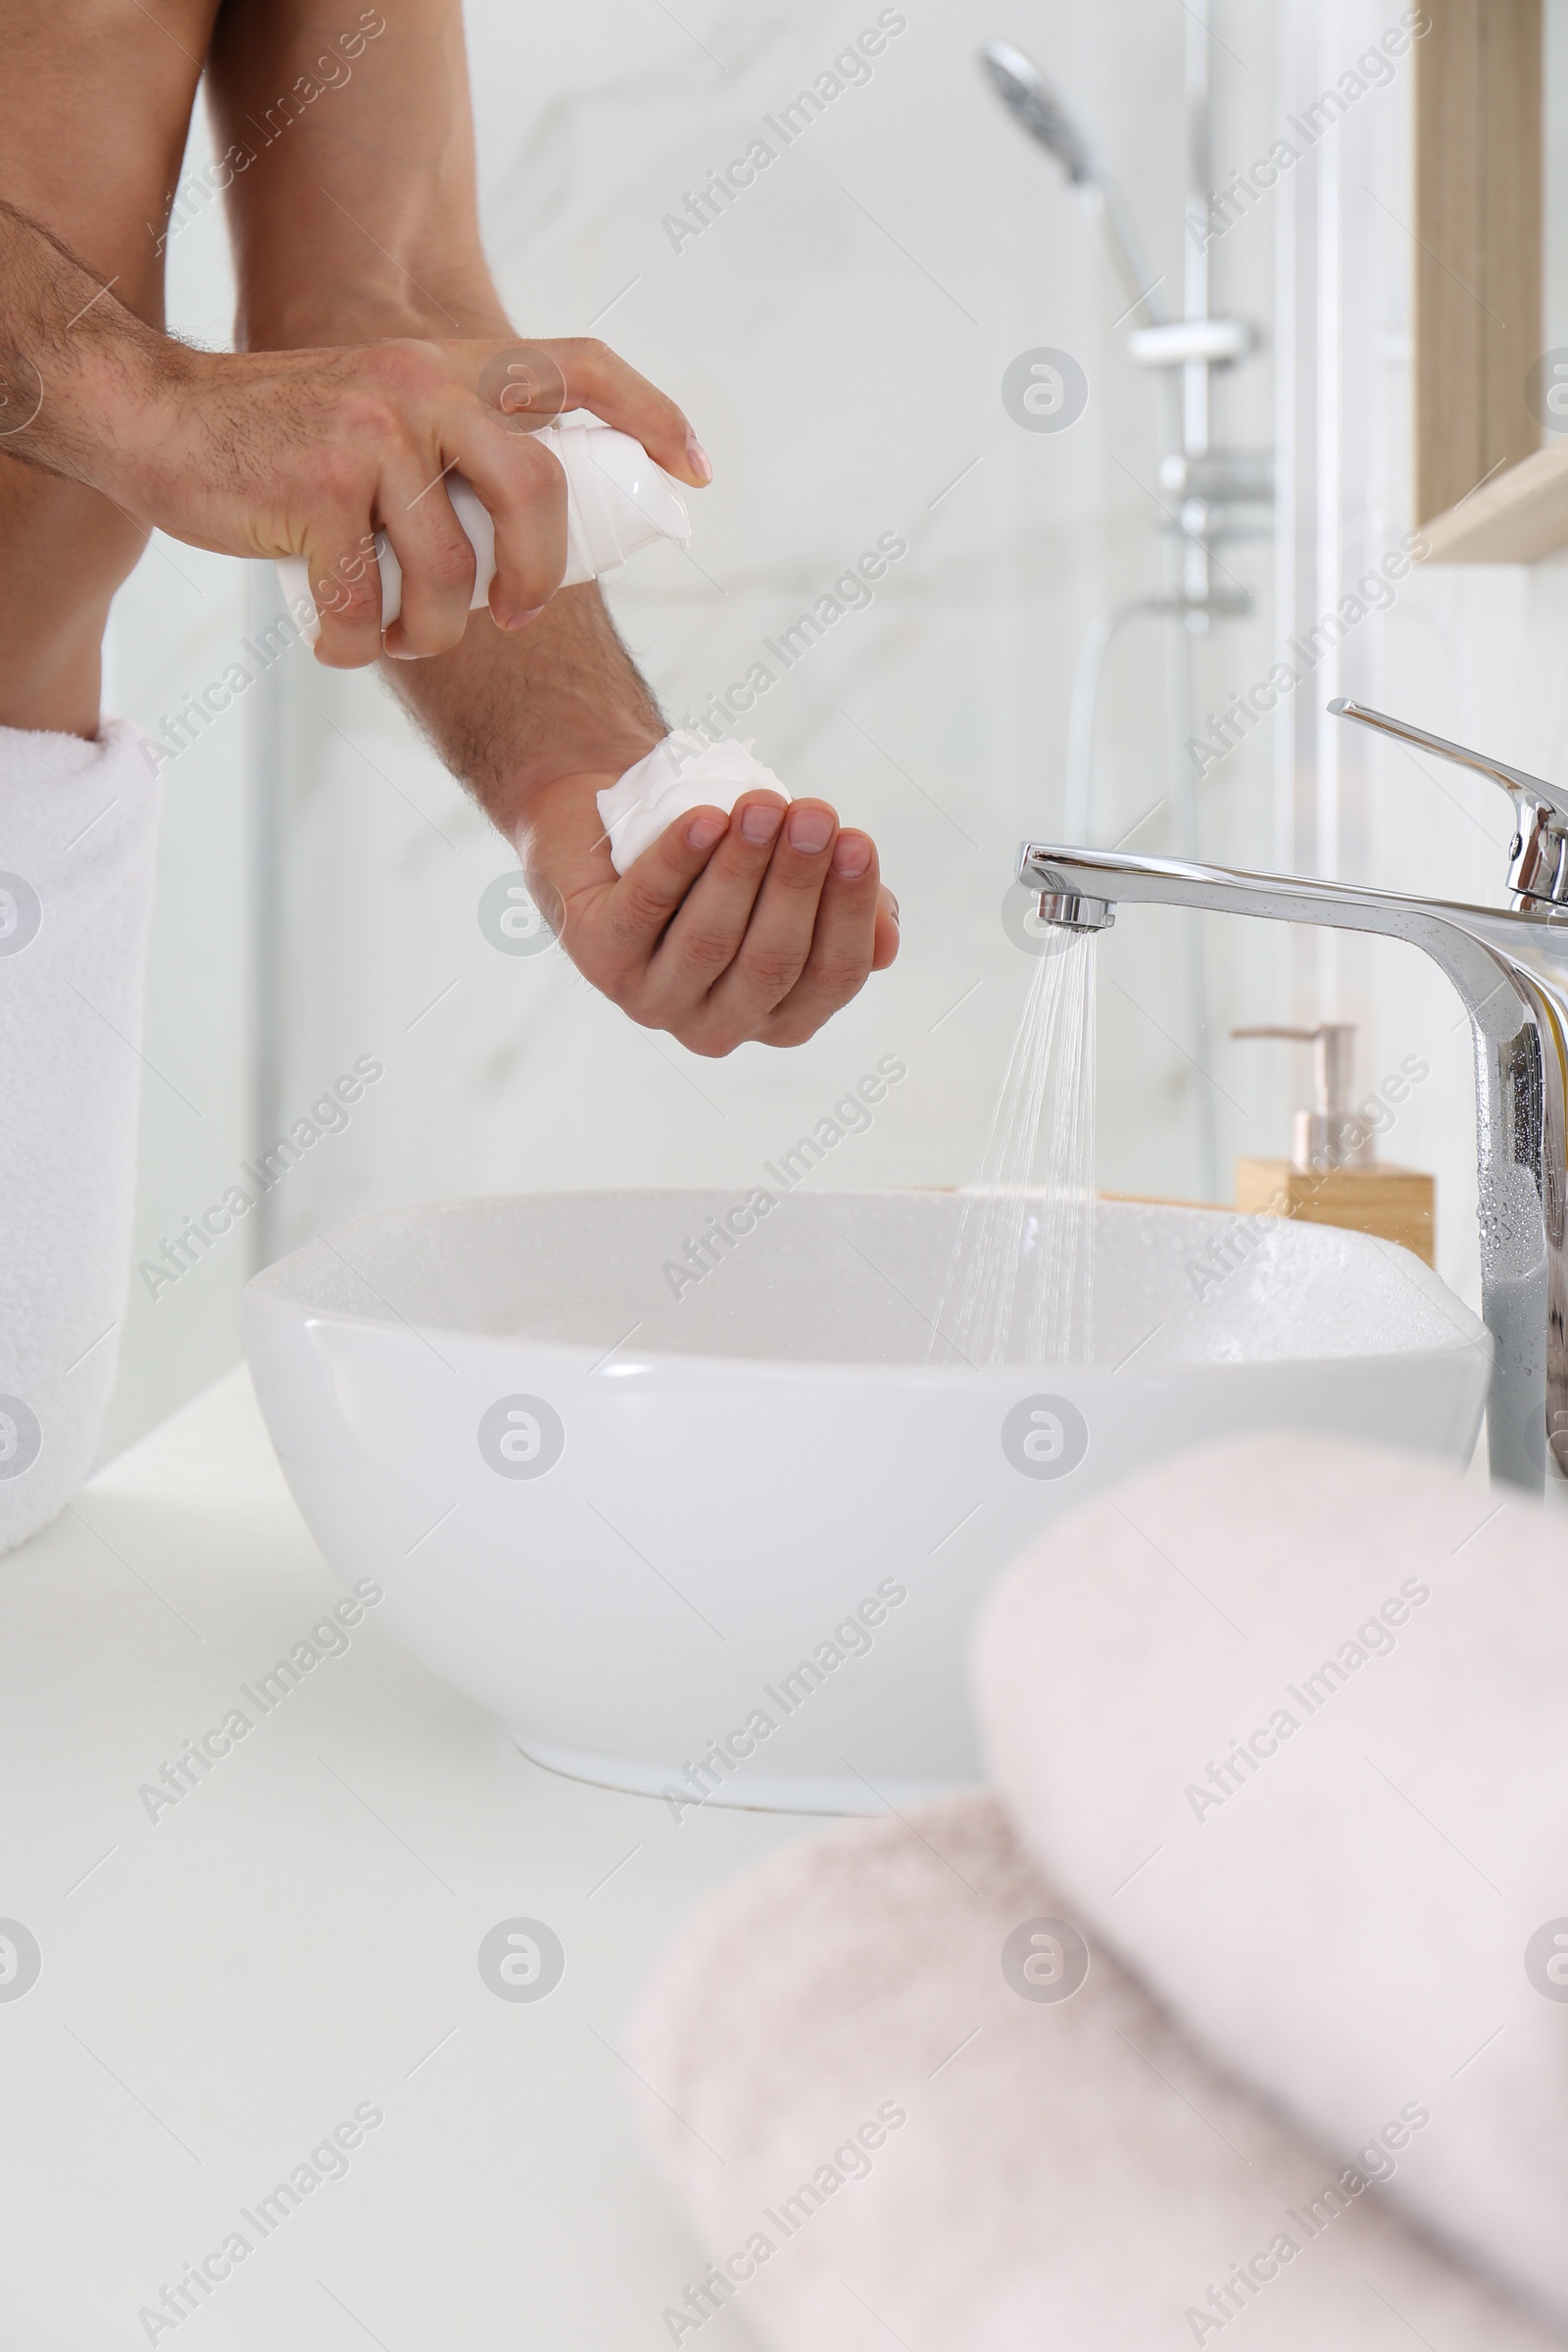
[(308, 453), (759, 925)]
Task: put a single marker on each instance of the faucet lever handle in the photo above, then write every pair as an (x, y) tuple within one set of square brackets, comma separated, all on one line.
[(1538, 867)]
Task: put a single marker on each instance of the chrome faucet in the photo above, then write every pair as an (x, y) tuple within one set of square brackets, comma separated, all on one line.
[(1510, 969)]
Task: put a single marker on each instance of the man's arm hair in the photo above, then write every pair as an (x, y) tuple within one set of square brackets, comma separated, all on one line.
[(75, 363), (509, 716)]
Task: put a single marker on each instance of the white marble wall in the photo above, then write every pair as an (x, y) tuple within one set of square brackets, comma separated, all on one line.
[(839, 336)]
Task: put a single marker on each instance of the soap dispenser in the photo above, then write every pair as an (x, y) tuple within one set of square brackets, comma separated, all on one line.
[(1334, 1176)]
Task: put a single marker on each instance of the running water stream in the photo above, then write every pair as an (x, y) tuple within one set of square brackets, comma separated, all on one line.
[(1020, 1287)]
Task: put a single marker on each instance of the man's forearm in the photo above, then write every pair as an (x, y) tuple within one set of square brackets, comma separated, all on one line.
[(73, 360), (511, 714)]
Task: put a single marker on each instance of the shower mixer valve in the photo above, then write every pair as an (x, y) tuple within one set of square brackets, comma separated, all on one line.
[(1509, 966)]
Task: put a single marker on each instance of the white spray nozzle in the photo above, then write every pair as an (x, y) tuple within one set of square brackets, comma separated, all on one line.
[(618, 501)]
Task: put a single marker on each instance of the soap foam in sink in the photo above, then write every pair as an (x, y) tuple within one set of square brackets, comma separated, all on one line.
[(679, 774)]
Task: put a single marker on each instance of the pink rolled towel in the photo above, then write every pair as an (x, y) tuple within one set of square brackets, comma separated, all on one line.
[(1288, 1722), (896, 2111)]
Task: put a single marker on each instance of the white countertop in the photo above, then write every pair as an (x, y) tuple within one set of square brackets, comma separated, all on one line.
[(222, 1986)]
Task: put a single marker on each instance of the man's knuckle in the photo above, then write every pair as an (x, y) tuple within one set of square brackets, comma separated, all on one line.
[(638, 912), (354, 604), (713, 1043), (800, 877), (841, 975), (369, 415), (774, 971), (534, 476), (623, 933), (406, 363), (342, 475), (707, 950), (448, 564)]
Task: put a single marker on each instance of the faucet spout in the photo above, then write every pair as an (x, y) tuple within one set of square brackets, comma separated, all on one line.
[(1509, 967)]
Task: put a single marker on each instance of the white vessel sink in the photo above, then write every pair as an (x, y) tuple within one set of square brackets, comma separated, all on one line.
[(755, 1524)]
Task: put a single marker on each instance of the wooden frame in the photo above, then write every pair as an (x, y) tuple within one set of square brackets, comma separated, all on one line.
[(1486, 490)]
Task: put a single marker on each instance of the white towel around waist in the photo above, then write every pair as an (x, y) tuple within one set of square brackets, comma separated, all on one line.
[(78, 837)]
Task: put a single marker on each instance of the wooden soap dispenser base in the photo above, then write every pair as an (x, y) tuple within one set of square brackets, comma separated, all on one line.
[(1334, 1176)]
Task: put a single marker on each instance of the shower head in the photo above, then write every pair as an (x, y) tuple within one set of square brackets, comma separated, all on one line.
[(1032, 102)]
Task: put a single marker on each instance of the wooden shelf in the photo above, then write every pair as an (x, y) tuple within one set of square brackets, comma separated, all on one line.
[(1517, 518), (1485, 490)]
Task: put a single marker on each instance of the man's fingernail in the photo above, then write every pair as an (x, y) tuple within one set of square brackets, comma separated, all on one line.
[(705, 828), (810, 830), (893, 903), (701, 463), (520, 620), (851, 854), (761, 821)]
